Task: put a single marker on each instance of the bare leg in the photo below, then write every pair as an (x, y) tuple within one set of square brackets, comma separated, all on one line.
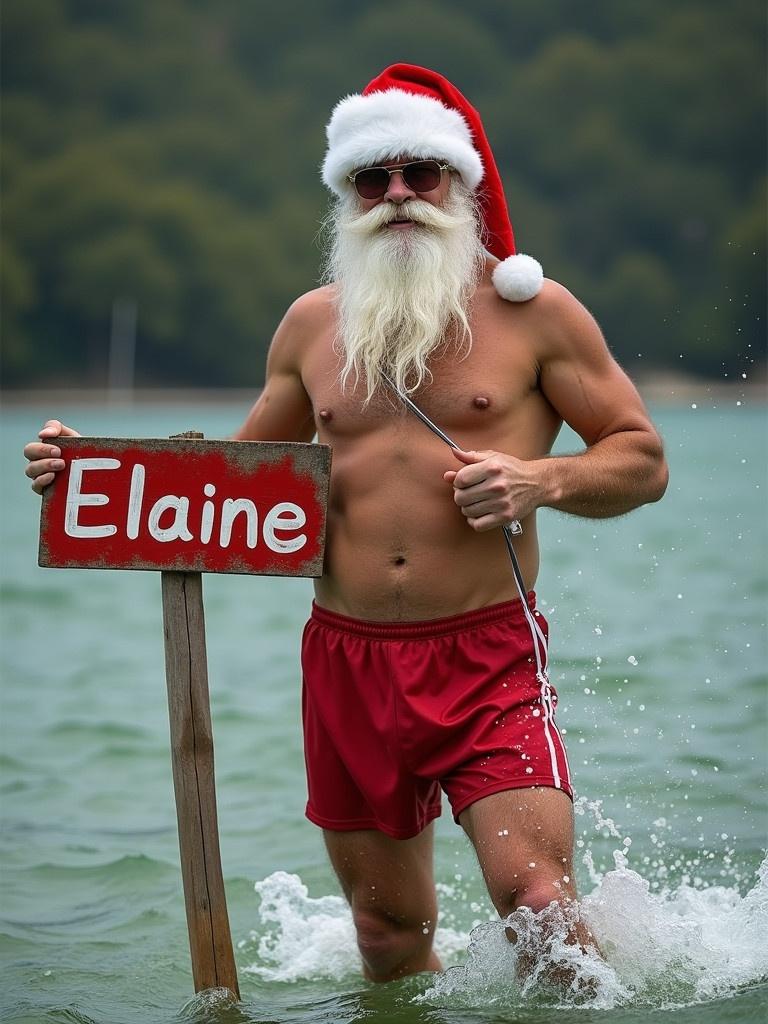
[(524, 843), (390, 888)]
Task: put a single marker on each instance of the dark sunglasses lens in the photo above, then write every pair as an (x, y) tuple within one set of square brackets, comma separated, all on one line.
[(423, 176), (371, 183)]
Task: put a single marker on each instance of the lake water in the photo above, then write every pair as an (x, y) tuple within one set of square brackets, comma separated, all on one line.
[(658, 652)]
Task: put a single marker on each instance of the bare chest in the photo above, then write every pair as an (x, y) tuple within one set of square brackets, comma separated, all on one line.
[(481, 396)]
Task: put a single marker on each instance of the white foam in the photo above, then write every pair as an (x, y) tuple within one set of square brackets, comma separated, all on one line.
[(556, 972), (661, 950), (303, 937), (682, 945), (677, 947)]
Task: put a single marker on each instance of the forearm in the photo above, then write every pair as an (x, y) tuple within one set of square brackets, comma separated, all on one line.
[(610, 478)]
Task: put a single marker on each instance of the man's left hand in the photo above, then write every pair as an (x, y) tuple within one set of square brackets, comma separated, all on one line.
[(493, 489)]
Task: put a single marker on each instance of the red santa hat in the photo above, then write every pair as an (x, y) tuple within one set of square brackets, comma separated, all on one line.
[(412, 111)]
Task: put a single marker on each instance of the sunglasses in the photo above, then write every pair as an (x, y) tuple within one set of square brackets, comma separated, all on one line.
[(419, 176)]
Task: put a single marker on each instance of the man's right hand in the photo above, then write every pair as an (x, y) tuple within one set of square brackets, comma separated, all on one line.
[(44, 456)]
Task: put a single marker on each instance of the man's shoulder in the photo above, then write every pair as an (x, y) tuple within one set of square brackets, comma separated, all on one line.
[(558, 319), (312, 306), (308, 318), (554, 325), (553, 301)]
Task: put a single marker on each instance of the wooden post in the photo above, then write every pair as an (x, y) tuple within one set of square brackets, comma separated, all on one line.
[(186, 674)]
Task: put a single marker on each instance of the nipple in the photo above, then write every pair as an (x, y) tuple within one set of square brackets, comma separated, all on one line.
[(326, 415), (481, 402)]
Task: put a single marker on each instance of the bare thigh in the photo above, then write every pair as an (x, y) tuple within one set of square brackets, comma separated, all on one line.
[(524, 843), (389, 885), (392, 876)]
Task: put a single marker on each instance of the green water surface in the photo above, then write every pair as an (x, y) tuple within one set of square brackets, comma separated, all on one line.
[(658, 651)]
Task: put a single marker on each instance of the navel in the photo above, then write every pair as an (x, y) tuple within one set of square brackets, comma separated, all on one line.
[(481, 402), (399, 561)]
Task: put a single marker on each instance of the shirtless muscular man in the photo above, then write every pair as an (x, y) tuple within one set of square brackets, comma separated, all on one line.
[(423, 670)]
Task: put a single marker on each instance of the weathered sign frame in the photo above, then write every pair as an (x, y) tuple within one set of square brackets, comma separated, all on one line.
[(212, 477)]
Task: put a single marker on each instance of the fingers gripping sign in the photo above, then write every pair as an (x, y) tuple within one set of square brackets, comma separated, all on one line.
[(493, 489), (44, 456)]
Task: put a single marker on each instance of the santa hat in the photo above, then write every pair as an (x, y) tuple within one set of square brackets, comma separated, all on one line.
[(412, 111)]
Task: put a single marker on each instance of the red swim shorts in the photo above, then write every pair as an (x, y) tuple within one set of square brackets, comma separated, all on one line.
[(393, 711)]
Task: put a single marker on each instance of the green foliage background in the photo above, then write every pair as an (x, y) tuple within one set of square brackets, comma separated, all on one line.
[(167, 151)]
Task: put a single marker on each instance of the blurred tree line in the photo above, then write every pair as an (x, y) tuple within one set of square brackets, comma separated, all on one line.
[(168, 152)]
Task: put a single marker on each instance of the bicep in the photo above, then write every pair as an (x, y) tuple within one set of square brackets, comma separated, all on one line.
[(283, 411), (584, 383)]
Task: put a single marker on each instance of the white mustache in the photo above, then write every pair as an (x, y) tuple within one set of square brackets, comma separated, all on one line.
[(415, 210)]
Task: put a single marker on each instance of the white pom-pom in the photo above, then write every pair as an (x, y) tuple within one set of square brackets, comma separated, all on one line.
[(518, 278)]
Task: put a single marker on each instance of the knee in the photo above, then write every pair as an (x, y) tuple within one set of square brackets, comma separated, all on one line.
[(536, 892), (378, 936), (538, 896), (390, 947)]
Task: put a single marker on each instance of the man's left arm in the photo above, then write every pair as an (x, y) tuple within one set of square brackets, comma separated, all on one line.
[(622, 466)]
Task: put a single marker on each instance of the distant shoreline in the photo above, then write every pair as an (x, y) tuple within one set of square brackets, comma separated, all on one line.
[(135, 396), (667, 389)]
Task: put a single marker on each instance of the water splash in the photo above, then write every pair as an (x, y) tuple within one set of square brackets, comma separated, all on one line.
[(683, 944), (661, 950), (541, 967), (670, 948), (303, 937)]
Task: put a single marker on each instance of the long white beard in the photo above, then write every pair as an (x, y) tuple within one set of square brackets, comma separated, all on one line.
[(402, 293)]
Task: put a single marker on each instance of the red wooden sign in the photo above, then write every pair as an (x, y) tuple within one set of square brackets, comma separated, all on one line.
[(187, 505)]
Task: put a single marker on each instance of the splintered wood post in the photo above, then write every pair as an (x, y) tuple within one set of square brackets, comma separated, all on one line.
[(186, 673)]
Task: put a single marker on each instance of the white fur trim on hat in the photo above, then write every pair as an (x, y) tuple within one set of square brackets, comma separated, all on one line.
[(518, 278), (368, 130)]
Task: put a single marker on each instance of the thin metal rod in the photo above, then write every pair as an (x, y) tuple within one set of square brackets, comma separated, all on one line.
[(508, 531), (514, 528), (421, 415)]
